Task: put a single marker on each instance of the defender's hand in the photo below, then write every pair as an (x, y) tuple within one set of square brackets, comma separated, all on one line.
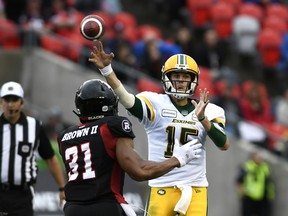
[(187, 152)]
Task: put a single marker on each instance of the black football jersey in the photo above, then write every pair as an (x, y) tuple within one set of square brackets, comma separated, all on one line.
[(88, 152)]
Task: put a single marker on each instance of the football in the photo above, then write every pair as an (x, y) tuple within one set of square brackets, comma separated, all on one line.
[(92, 27)]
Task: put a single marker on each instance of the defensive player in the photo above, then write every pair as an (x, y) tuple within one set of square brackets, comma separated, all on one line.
[(98, 151), (171, 116)]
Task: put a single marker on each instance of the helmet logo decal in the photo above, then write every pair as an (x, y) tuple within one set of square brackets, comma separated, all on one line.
[(104, 108), (126, 126), (161, 192)]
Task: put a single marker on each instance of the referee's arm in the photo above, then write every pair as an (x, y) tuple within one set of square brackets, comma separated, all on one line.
[(47, 153), (56, 172)]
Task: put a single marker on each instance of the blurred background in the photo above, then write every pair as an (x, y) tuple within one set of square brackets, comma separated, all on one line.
[(241, 47)]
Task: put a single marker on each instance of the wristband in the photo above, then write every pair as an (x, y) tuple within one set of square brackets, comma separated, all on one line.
[(61, 189), (202, 118), (106, 70)]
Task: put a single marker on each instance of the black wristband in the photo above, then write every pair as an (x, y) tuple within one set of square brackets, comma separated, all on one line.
[(61, 189), (202, 118)]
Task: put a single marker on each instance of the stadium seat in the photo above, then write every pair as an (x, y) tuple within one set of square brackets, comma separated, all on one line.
[(131, 34), (53, 44), (268, 44), (251, 9), (275, 23), (246, 87), (234, 3), (109, 22), (221, 16), (148, 85), (148, 29), (279, 10), (205, 74), (199, 11), (205, 81), (74, 46), (9, 35), (108, 18), (276, 132), (127, 19)]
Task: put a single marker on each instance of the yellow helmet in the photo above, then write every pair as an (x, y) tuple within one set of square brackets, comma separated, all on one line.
[(184, 64)]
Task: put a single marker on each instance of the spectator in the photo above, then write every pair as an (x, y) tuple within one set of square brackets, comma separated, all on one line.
[(151, 52), (185, 39), (122, 47), (171, 12), (211, 53), (255, 187), (33, 22), (22, 137), (227, 97), (283, 64), (32, 17), (255, 104), (87, 6), (281, 109), (13, 9), (256, 111), (62, 19), (111, 6)]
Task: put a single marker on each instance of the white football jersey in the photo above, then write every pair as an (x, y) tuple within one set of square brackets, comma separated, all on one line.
[(164, 123)]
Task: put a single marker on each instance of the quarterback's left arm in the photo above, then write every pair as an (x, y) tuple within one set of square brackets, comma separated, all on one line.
[(212, 117)]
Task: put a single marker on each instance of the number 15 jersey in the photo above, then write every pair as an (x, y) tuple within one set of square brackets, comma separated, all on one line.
[(164, 122)]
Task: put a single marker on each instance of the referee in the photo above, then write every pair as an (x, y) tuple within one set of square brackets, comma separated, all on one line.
[(21, 138)]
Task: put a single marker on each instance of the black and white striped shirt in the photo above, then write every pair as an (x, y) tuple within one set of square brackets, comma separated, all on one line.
[(19, 144)]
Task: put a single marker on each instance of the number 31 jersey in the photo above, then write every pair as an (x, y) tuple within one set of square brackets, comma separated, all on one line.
[(88, 153)]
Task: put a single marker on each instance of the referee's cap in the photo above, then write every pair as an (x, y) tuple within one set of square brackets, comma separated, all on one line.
[(12, 88)]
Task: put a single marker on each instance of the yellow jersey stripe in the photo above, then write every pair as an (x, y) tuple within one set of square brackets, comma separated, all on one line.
[(147, 102), (218, 120)]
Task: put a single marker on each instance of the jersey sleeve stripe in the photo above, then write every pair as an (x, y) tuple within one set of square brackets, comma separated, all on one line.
[(149, 105), (219, 120)]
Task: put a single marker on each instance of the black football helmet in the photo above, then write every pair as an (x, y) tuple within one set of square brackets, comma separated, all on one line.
[(95, 99)]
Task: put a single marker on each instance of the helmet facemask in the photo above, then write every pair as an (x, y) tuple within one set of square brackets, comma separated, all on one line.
[(170, 87)]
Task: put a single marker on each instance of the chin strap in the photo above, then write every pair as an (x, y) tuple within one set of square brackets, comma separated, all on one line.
[(77, 114), (185, 199)]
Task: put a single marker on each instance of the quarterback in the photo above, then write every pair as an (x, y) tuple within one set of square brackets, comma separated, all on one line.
[(175, 115)]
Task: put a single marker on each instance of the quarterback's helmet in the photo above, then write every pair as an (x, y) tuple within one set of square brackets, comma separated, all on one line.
[(184, 64), (95, 99)]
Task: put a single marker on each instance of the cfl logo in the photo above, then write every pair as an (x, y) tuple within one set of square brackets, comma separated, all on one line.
[(126, 126)]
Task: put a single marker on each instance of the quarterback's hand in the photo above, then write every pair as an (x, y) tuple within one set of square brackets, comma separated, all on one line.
[(99, 57), (187, 152), (203, 102)]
